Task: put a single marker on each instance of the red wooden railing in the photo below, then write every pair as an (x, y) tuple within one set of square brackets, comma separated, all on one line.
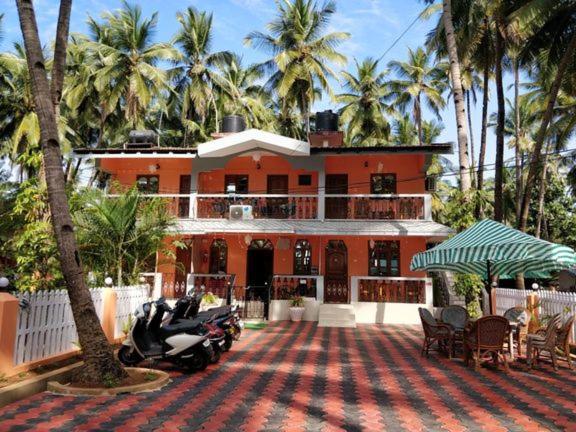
[(392, 290)]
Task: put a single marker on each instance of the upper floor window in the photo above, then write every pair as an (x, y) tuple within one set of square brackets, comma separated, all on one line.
[(148, 184), (384, 258), (302, 257), (218, 256), (383, 183), (236, 183)]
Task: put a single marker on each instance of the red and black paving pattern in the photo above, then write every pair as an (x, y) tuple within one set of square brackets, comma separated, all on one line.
[(300, 377)]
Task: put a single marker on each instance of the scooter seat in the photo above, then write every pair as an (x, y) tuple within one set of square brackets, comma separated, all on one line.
[(181, 326), (217, 312)]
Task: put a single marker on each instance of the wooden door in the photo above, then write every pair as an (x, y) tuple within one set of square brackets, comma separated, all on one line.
[(184, 203), (336, 272), (183, 267), (336, 208), (277, 208)]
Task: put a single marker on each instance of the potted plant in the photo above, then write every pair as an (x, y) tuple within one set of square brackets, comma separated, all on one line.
[(296, 308)]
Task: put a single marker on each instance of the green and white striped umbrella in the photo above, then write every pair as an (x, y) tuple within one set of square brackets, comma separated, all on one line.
[(508, 251)]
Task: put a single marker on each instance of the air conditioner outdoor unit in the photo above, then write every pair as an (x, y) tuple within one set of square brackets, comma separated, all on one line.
[(241, 212)]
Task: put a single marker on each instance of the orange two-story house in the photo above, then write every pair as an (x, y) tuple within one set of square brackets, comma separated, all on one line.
[(272, 217)]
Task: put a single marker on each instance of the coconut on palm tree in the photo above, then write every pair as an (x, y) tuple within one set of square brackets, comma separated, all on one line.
[(302, 52), (419, 81), (365, 105)]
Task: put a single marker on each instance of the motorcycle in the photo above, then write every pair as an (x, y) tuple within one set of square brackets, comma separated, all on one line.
[(185, 343), (224, 317)]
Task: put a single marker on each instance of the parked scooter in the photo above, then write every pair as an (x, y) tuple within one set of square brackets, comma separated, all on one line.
[(224, 317), (185, 343)]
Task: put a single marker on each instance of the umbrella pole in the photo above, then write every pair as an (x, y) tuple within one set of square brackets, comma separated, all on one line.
[(489, 283)]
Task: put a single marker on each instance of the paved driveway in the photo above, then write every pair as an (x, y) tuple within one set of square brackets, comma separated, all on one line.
[(301, 377)]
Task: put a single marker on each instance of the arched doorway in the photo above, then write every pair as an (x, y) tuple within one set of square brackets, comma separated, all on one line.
[(336, 272)]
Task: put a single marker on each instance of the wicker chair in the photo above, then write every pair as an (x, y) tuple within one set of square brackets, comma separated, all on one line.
[(486, 336), (457, 318), (522, 316), (563, 338), (543, 341), (435, 331)]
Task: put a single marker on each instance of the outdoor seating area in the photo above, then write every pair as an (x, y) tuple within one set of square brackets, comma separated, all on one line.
[(497, 338)]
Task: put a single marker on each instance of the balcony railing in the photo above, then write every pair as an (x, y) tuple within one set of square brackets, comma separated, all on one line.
[(284, 287), (389, 289), (301, 207), (263, 206), (217, 284), (376, 207)]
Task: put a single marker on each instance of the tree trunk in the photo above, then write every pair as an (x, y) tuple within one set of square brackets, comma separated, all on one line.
[(418, 115), (60, 46), (517, 150), (99, 359), (483, 133), (542, 192), (465, 182), (535, 162), (499, 165), (470, 129)]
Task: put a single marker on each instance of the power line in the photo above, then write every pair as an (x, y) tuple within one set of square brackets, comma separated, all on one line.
[(401, 35)]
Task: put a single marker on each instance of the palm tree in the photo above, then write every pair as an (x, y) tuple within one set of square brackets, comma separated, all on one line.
[(457, 91), (546, 29), (365, 104), (127, 71), (119, 235), (194, 75), (239, 92), (418, 81), (99, 361), (301, 51)]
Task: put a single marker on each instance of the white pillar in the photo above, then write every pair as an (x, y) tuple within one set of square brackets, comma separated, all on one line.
[(320, 289), (321, 193), (428, 207), (354, 289)]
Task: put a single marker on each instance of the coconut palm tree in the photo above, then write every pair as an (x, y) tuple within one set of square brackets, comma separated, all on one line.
[(545, 30), (301, 52), (239, 92), (365, 108), (194, 74), (419, 81), (127, 72)]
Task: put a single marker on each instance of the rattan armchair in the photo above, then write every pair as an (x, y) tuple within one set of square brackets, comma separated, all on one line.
[(486, 336), (435, 331), (543, 341), (457, 318), (563, 335), (522, 316)]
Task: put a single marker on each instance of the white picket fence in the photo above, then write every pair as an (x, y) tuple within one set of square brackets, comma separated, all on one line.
[(550, 303), (127, 300), (46, 326), (508, 298)]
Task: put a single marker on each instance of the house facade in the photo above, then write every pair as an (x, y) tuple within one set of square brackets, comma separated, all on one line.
[(269, 217)]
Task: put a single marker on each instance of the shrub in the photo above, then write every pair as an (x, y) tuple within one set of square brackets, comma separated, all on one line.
[(469, 286), (297, 301)]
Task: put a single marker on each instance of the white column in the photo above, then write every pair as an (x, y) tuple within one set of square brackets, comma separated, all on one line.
[(354, 289), (321, 193), (320, 289), (157, 290), (428, 207)]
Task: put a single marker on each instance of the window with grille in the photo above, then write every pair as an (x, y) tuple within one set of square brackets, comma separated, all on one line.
[(384, 258), (302, 257), (383, 184), (218, 256), (148, 184)]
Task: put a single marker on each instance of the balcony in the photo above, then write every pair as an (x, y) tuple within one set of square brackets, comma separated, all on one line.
[(302, 207), (263, 206), (376, 289)]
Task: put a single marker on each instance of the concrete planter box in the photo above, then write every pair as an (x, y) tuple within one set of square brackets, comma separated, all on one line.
[(280, 310)]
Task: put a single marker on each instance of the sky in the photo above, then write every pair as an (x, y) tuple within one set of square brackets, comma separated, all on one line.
[(373, 25)]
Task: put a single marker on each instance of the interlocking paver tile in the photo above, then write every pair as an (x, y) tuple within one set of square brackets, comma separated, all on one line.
[(298, 377)]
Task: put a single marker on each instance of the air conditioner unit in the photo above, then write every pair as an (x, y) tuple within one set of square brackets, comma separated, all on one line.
[(241, 212)]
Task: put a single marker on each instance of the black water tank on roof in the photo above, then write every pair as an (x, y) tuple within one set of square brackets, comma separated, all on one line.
[(233, 123), (326, 121)]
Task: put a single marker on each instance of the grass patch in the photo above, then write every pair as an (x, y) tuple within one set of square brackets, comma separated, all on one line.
[(255, 325)]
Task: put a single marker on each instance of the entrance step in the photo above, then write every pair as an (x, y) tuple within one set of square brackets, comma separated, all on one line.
[(336, 315)]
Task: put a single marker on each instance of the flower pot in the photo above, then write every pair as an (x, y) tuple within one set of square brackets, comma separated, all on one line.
[(296, 313)]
